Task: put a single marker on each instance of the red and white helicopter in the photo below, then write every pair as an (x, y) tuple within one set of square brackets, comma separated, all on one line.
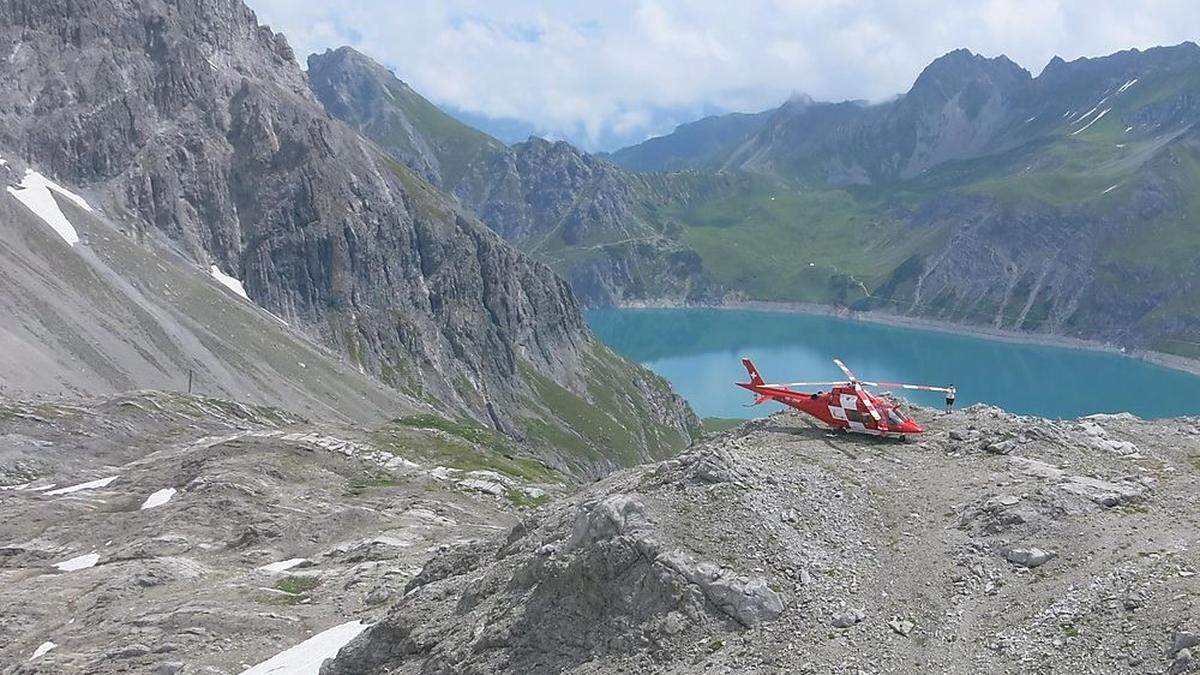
[(847, 406)]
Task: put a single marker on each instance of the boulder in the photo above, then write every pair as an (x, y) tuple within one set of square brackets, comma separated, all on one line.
[(847, 618), (901, 626), (1182, 662), (1102, 492), (608, 517), (1000, 447), (485, 486), (1184, 639), (1035, 468), (1029, 557), (749, 601)]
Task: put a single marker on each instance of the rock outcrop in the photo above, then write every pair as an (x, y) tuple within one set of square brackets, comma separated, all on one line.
[(589, 580), (776, 547)]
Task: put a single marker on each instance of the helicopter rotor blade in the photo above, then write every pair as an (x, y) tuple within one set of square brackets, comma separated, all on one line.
[(866, 399), (898, 385), (849, 375), (807, 384)]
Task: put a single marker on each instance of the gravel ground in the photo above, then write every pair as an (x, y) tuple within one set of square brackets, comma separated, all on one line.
[(994, 543), (276, 529)]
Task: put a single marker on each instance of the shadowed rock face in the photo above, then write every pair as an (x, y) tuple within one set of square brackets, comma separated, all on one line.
[(193, 124)]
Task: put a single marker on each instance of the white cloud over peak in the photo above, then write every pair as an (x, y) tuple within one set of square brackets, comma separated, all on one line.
[(608, 73)]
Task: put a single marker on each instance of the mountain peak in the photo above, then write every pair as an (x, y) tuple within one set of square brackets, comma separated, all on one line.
[(345, 57), (965, 64), (954, 72), (799, 98)]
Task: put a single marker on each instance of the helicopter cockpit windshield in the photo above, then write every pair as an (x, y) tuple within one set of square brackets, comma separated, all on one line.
[(895, 417)]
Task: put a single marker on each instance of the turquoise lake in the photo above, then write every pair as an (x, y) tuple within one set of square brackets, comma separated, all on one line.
[(699, 351)]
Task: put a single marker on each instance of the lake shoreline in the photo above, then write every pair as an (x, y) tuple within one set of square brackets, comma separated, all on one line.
[(1174, 362)]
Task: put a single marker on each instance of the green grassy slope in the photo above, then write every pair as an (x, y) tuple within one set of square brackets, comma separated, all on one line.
[(615, 413), (1125, 186), (456, 145)]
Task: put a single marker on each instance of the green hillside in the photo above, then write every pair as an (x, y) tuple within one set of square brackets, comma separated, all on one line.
[(1062, 203)]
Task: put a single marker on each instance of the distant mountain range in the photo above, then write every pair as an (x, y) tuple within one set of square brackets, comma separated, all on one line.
[(691, 145), (1063, 203)]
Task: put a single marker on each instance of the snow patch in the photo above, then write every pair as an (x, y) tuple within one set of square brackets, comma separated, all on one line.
[(158, 498), (34, 193), (232, 283), (282, 565), (1085, 127), (1127, 85), (98, 483), (306, 658), (1087, 114), (79, 562), (42, 649), (1114, 187)]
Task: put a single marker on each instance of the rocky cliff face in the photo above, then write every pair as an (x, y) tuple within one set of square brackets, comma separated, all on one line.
[(586, 218), (1070, 217), (194, 125), (579, 213), (368, 97)]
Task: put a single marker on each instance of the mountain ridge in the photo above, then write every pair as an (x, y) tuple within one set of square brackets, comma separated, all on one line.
[(578, 212), (688, 145), (194, 127), (982, 196)]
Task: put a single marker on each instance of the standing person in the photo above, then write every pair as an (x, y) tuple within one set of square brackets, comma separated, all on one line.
[(950, 394)]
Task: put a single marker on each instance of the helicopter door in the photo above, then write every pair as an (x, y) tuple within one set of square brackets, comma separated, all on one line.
[(844, 407)]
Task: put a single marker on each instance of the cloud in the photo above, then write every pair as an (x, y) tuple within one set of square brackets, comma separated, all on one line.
[(609, 73)]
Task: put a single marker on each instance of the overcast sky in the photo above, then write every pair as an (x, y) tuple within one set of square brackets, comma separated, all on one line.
[(606, 73)]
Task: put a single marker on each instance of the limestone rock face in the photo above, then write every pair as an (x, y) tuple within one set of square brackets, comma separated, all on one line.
[(192, 124)]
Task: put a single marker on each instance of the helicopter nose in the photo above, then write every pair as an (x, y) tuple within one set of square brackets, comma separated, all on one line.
[(911, 427)]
